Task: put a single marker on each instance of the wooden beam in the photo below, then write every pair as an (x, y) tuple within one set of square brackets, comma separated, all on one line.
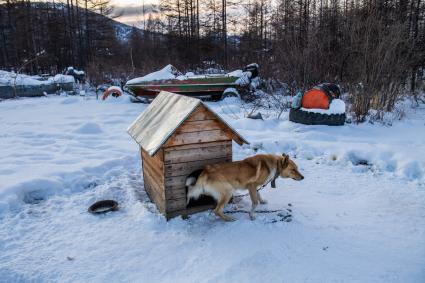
[(193, 146), (216, 150), (201, 125), (185, 168), (198, 137)]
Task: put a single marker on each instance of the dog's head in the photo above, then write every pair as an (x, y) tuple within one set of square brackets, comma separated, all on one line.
[(288, 169)]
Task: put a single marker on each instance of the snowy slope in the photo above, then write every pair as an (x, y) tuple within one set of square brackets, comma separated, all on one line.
[(359, 215)]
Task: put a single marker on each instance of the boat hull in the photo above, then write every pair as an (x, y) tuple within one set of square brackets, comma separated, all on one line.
[(192, 87)]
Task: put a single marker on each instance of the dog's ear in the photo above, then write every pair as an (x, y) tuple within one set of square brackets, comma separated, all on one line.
[(285, 161)]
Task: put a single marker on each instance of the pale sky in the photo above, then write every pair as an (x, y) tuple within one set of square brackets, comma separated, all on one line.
[(132, 10), (132, 2)]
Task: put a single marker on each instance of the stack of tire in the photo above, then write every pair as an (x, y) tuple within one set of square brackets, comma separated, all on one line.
[(319, 97)]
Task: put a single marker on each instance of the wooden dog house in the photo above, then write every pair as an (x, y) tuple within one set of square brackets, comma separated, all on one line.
[(178, 135)]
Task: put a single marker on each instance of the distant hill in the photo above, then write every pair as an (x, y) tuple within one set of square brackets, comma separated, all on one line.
[(65, 36), (122, 30)]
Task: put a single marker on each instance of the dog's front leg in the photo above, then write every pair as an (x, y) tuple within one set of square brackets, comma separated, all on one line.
[(254, 200)]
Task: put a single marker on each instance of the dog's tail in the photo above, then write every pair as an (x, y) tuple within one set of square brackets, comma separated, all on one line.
[(191, 182), (193, 177)]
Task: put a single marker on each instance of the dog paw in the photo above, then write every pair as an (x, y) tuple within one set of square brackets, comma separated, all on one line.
[(252, 216), (229, 219)]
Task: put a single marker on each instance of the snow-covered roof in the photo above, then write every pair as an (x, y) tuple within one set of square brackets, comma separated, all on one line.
[(163, 116), (169, 72)]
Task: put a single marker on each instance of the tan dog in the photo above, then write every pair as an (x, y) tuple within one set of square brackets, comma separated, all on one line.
[(221, 180)]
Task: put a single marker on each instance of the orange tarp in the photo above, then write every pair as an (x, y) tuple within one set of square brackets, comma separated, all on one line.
[(315, 99)]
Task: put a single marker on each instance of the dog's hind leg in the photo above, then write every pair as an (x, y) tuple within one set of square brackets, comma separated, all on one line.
[(262, 201), (254, 200), (224, 199)]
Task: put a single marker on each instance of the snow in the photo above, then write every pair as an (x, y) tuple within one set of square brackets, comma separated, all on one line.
[(75, 71), (231, 90), (244, 79), (358, 216), (61, 79), (337, 106), (10, 78), (115, 88), (255, 65), (236, 73), (89, 128), (169, 72)]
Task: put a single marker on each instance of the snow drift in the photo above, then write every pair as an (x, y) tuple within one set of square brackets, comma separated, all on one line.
[(10, 79)]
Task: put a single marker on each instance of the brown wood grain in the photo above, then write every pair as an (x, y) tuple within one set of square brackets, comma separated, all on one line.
[(175, 181), (176, 204), (201, 113), (215, 150), (176, 192), (198, 137), (156, 171), (199, 145), (155, 197), (157, 159), (201, 125), (155, 179), (185, 168), (159, 194)]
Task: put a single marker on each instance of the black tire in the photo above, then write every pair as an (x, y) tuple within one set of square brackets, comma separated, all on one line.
[(230, 93), (311, 118), (216, 97)]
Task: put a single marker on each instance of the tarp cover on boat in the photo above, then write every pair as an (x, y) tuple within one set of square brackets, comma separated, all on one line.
[(162, 117)]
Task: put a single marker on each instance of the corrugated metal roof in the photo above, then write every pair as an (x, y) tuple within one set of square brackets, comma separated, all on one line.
[(162, 117)]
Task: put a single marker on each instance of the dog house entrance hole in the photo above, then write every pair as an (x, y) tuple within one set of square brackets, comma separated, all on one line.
[(203, 199)]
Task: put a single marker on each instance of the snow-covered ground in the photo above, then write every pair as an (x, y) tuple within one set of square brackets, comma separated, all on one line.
[(358, 216)]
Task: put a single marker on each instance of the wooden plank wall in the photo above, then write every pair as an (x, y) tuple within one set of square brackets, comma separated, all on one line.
[(153, 176)]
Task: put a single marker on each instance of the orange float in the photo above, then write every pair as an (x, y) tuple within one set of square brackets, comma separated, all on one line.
[(114, 91)]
